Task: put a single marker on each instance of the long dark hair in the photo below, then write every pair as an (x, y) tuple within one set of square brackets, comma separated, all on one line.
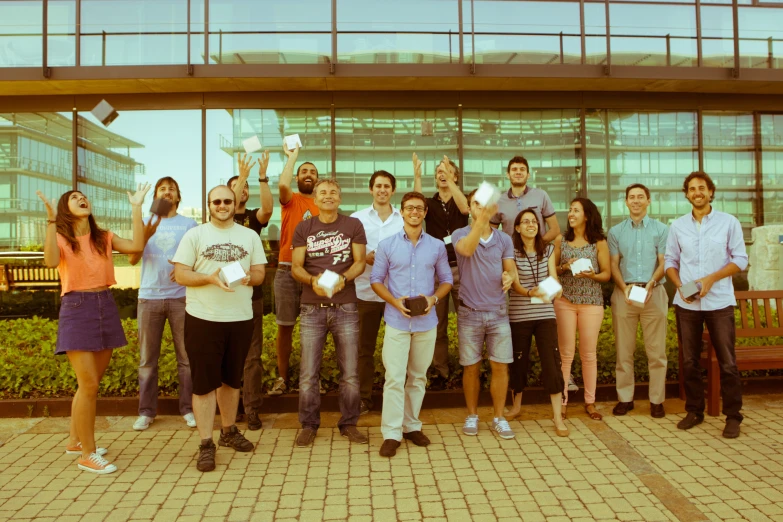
[(539, 240), (594, 229), (65, 223)]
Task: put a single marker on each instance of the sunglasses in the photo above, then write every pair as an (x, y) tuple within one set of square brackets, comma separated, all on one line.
[(217, 202)]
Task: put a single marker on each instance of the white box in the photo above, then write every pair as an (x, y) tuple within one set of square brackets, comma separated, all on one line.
[(486, 194), (233, 274), (328, 281), (105, 113), (252, 144), (637, 296), (581, 265), (292, 141)]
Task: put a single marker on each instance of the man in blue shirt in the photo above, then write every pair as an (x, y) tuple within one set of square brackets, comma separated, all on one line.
[(707, 247), (410, 259), (161, 298)]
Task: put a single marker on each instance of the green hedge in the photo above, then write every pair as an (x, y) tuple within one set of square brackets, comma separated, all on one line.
[(31, 370)]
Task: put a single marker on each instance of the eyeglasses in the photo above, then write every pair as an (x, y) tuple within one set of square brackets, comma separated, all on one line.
[(528, 222), (411, 208), (217, 202)]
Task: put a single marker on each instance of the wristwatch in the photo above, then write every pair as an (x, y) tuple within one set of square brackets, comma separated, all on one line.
[(263, 180)]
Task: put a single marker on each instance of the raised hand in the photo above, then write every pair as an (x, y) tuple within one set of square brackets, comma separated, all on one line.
[(263, 163), (150, 227), (292, 154), (245, 164), (487, 213), (51, 206), (137, 199), (416, 166)]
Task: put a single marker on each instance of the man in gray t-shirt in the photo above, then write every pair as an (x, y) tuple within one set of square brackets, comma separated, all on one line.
[(521, 196)]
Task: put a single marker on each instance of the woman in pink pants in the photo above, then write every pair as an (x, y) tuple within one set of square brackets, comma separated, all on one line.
[(582, 306)]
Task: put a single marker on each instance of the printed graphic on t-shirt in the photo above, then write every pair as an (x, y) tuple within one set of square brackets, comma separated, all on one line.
[(165, 240), (225, 253), (307, 215), (333, 243)]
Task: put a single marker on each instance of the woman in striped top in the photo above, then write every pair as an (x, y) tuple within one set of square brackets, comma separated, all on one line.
[(535, 263)]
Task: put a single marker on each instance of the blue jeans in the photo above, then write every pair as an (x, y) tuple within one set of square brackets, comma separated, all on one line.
[(152, 315), (720, 324), (475, 327), (316, 321)]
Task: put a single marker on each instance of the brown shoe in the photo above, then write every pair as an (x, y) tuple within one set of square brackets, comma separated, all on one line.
[(417, 437), (732, 429), (354, 435), (622, 408), (389, 448), (306, 437), (657, 411)]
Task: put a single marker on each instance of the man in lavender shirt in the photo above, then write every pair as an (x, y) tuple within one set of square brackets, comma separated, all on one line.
[(411, 260), (706, 246)]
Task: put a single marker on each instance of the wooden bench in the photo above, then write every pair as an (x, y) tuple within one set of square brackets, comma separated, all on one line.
[(757, 319), (28, 277)]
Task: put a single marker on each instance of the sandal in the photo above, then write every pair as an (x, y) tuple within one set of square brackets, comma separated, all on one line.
[(509, 415), (560, 433), (592, 413)]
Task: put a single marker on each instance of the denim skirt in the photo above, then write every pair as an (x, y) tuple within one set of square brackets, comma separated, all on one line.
[(89, 322)]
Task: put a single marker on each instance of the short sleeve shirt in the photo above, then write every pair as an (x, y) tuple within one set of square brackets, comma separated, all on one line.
[(638, 247), (442, 219), (156, 282), (509, 206), (329, 247), (481, 275), (249, 219), (299, 208), (206, 249)]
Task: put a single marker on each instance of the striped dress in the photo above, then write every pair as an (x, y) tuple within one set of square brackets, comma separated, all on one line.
[(531, 273)]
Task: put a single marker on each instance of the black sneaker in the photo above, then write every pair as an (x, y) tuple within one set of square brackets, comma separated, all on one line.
[(253, 422), (235, 439), (732, 429), (690, 421), (206, 455)]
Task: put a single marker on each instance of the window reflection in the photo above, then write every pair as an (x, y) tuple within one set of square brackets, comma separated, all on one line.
[(772, 166), (761, 37), (717, 30), (653, 35), (20, 33)]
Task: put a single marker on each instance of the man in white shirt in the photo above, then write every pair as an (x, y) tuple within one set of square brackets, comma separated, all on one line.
[(380, 220)]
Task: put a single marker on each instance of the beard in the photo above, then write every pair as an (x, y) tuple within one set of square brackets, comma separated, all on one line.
[(304, 188)]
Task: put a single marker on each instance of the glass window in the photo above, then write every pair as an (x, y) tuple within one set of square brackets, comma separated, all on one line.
[(133, 32), (140, 147), (20, 33), (761, 37), (729, 159), (772, 166), (61, 51), (404, 31), (548, 139), (523, 32), (240, 32), (595, 33), (653, 35), (717, 36)]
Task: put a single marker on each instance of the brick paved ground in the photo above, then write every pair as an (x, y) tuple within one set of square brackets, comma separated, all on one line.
[(626, 468)]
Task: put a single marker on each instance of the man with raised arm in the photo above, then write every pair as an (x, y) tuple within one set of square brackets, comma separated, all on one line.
[(487, 269), (521, 196), (448, 211), (254, 219), (219, 318), (706, 247), (335, 243), (161, 299), (295, 208), (380, 220)]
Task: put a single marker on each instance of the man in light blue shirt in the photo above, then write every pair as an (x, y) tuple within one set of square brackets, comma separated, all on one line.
[(161, 298), (637, 247), (707, 247), (406, 265)]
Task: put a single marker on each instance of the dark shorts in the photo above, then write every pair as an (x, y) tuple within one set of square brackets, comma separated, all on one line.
[(287, 293), (216, 352), (89, 322)]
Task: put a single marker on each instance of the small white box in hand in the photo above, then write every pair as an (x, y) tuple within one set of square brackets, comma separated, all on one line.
[(252, 144), (292, 141), (637, 296), (551, 287), (328, 281), (233, 274), (581, 265), (486, 194)]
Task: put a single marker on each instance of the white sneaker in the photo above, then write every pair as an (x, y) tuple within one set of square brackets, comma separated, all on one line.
[(572, 387), (501, 426), (77, 450), (96, 464), (190, 420), (142, 423), (471, 425)]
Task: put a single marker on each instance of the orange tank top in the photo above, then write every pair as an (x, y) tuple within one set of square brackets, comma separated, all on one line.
[(87, 269)]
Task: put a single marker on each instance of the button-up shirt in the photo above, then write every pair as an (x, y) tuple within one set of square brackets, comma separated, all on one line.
[(376, 230), (411, 271), (638, 246), (698, 251), (509, 206)]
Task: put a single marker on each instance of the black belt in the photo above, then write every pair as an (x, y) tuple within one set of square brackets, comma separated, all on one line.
[(641, 285), (286, 268), (328, 305), (452, 263)]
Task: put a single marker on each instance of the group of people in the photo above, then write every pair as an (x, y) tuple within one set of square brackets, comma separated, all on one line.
[(343, 274)]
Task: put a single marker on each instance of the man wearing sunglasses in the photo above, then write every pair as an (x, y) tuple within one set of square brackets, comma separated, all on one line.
[(218, 317), (403, 274)]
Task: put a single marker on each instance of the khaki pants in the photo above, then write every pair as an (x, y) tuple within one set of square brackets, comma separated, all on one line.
[(626, 319)]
